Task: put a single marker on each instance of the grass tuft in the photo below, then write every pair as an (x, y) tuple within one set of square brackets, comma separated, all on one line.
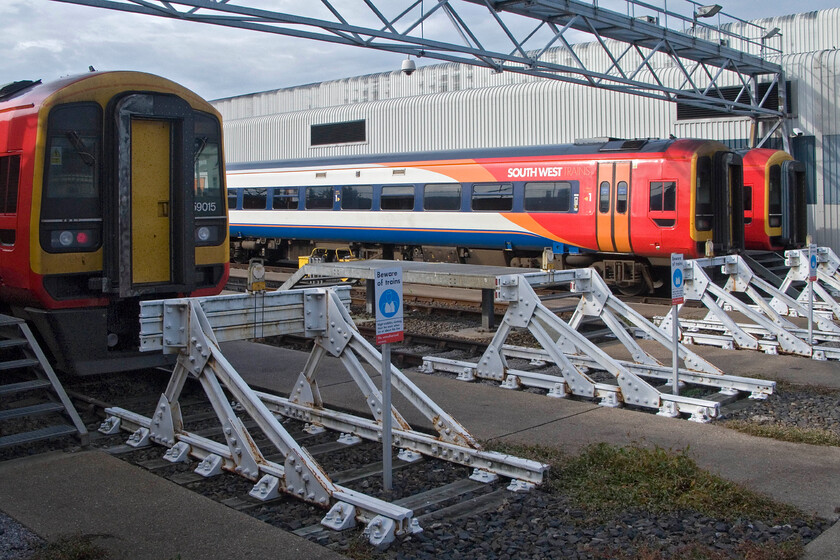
[(813, 436), (71, 547), (605, 479)]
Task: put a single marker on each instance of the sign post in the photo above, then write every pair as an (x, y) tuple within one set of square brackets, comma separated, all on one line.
[(389, 328), (677, 299), (812, 277)]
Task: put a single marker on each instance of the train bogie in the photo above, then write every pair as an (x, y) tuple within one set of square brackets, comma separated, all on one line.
[(113, 184)]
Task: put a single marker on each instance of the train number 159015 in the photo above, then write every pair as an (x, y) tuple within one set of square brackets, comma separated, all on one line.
[(205, 207)]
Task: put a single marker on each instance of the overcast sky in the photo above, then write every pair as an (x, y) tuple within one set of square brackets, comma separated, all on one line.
[(45, 39)]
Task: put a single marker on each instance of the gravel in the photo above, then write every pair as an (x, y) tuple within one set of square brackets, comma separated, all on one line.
[(16, 541)]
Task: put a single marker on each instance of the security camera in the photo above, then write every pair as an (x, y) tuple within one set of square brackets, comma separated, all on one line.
[(408, 67), (798, 132)]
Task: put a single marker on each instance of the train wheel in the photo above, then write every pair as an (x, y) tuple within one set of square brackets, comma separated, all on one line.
[(632, 289)]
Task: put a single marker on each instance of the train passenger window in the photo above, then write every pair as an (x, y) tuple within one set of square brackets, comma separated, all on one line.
[(663, 196), (621, 197), (604, 197), (357, 197), (319, 198), (233, 196), (495, 197), (9, 175), (207, 158), (254, 198), (442, 196), (286, 198), (548, 197), (663, 202), (397, 197)]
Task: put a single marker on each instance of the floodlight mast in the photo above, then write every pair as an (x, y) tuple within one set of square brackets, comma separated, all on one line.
[(703, 65)]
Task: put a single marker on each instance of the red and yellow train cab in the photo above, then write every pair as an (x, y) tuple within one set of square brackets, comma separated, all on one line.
[(112, 189), (775, 211)]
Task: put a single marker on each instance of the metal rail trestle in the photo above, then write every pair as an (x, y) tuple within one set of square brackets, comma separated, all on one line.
[(828, 274), (575, 355), (760, 325), (194, 327)]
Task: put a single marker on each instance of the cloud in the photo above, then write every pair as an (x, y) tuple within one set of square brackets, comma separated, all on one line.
[(51, 45)]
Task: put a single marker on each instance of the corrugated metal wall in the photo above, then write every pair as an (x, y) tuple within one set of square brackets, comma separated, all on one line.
[(544, 112)]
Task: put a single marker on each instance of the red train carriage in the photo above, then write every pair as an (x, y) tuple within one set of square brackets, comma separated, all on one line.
[(775, 211), (622, 206), (112, 191)]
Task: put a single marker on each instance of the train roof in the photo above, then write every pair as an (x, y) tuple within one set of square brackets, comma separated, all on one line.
[(581, 147), (32, 94)]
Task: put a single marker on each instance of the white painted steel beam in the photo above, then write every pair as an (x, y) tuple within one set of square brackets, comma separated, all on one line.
[(828, 281), (731, 322), (521, 37), (188, 327), (563, 345)]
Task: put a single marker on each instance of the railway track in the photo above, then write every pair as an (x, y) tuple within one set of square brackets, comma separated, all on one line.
[(432, 488), (455, 512)]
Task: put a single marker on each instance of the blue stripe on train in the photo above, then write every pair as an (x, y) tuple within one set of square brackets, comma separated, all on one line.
[(479, 240)]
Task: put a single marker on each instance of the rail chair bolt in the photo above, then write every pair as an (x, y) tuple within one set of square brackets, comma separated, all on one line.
[(298, 469), (238, 451), (323, 501), (238, 469)]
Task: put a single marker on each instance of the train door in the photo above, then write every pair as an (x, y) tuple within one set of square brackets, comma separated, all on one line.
[(612, 224), (794, 209), (152, 221), (727, 202)]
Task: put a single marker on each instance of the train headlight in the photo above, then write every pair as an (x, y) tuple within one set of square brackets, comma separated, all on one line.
[(74, 240), (208, 235), (65, 238)]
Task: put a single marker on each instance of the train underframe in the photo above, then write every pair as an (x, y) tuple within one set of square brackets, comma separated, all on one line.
[(630, 275)]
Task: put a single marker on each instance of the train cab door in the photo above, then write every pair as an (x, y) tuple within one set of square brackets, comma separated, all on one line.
[(154, 191), (727, 201), (612, 223), (794, 203)]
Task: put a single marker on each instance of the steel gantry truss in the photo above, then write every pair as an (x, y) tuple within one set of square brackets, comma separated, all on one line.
[(532, 37)]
